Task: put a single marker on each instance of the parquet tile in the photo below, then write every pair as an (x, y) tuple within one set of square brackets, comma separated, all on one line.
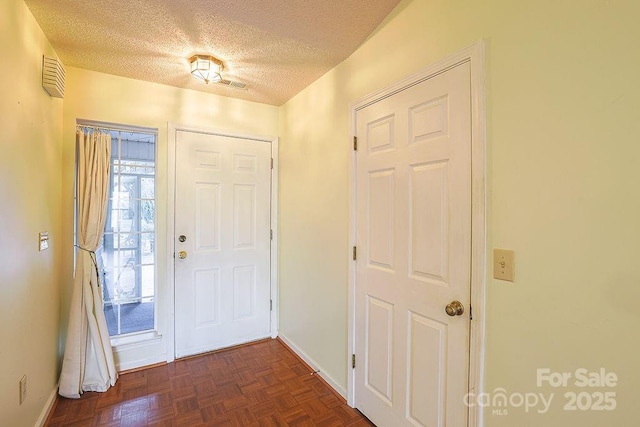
[(261, 384)]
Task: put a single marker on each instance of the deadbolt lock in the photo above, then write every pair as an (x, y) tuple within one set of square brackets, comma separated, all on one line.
[(182, 254), (182, 238)]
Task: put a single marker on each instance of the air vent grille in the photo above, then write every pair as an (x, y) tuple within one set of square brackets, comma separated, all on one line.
[(231, 83), (53, 77)]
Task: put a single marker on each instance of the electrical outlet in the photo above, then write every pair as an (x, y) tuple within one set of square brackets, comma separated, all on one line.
[(23, 388), (503, 264)]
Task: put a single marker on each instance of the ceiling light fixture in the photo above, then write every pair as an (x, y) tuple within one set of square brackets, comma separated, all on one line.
[(206, 68)]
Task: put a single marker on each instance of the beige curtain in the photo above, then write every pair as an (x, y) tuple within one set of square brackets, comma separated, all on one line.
[(88, 363)]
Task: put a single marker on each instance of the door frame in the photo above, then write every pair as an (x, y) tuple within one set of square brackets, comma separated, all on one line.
[(172, 130), (474, 55)]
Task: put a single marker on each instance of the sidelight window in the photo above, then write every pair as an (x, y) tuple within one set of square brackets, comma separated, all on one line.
[(127, 257)]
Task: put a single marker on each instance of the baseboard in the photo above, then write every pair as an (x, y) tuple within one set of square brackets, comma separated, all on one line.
[(44, 415), (314, 365)]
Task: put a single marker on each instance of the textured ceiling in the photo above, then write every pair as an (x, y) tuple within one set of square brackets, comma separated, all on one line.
[(275, 47)]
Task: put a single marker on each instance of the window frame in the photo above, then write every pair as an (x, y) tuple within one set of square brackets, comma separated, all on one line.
[(147, 334)]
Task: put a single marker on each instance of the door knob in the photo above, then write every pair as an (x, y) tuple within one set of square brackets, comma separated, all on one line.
[(454, 308), (182, 254)]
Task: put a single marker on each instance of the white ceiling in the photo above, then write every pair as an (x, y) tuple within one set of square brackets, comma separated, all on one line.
[(276, 47)]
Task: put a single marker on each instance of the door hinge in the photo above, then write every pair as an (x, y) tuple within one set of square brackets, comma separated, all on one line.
[(271, 234), (355, 143), (354, 253), (270, 305), (353, 361), (272, 163)]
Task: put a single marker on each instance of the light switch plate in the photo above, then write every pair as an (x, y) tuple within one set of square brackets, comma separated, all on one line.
[(503, 264), (43, 239)]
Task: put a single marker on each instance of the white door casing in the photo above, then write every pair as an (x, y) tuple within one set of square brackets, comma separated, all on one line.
[(416, 204), (222, 288)]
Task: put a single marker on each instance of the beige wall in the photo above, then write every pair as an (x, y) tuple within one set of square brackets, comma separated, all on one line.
[(563, 173), (31, 144), (562, 189)]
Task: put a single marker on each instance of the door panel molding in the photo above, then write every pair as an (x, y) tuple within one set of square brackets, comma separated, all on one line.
[(172, 131), (474, 56)]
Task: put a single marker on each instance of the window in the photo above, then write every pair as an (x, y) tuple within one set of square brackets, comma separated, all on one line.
[(127, 256)]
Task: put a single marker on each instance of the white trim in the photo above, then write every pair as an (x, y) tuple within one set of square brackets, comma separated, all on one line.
[(351, 292), (314, 365), (275, 312), (478, 227), (474, 55), (48, 407), (134, 338), (171, 245), (125, 351), (140, 363), (173, 128), (116, 126)]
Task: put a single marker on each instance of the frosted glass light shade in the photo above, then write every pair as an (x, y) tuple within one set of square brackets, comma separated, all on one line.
[(206, 68)]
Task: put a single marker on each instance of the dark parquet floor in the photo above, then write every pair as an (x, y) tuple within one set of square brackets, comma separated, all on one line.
[(261, 384)]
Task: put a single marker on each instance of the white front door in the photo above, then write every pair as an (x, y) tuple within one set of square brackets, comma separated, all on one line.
[(222, 241), (414, 253)]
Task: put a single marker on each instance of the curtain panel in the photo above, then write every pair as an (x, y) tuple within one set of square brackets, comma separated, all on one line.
[(88, 363)]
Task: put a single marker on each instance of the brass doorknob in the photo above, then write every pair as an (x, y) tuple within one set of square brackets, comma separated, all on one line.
[(182, 254), (454, 308)]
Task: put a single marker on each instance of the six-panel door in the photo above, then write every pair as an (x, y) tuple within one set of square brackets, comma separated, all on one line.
[(414, 253), (222, 285)]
